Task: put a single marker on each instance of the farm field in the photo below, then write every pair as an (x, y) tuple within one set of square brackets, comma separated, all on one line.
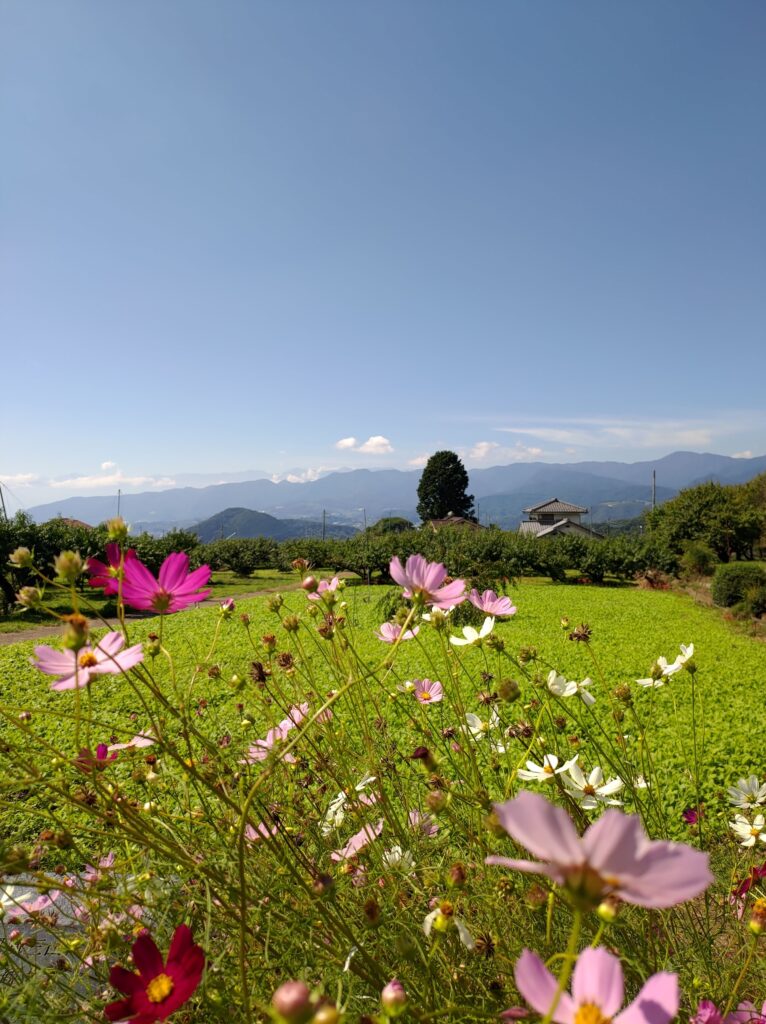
[(223, 685)]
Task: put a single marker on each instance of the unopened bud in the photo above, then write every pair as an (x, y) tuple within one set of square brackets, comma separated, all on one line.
[(291, 623), (69, 566), (757, 921), (275, 602), (21, 558), (76, 631), (623, 694), (437, 800), (29, 597), (393, 998), (456, 876), (117, 529), (326, 1014), (292, 1001), (310, 584), (25, 716), (608, 909), (424, 754), (227, 607), (508, 690)]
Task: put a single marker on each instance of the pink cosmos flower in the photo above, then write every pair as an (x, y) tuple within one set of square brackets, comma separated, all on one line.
[(428, 692), (261, 831), (423, 823), (746, 1013), (137, 743), (423, 580), (259, 751), (323, 588), (597, 991), (175, 589), (491, 604), (358, 842), (92, 874), (87, 761), (78, 668), (389, 633), (613, 856), (108, 575)]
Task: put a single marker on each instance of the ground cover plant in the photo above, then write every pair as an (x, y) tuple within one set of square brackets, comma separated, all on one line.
[(366, 803)]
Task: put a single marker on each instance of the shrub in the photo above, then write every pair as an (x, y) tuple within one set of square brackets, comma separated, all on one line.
[(732, 580), (698, 559)]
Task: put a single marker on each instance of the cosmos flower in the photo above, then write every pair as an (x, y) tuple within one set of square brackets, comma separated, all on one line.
[(77, 669), (472, 636), (747, 833), (592, 791), (160, 987), (358, 841), (175, 589), (747, 793), (428, 691), (390, 632), (491, 604), (597, 991), (107, 574), (336, 812), (614, 856), (324, 588), (443, 918), (87, 761), (422, 581), (546, 771), (137, 743), (478, 729), (260, 831), (559, 686), (423, 823)]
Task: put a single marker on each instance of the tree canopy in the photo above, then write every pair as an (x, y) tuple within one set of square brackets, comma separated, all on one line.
[(442, 488)]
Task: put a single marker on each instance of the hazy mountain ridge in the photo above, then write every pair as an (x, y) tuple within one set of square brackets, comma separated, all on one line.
[(243, 522), (352, 496)]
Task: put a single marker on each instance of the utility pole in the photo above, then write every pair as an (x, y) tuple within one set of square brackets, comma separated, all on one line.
[(119, 496), (2, 503), (654, 489), (324, 523)]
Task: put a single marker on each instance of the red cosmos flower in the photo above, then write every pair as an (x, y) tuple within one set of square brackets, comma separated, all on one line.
[(159, 988), (756, 875), (108, 576), (175, 589)]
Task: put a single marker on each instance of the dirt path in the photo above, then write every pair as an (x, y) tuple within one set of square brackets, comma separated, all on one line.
[(41, 632)]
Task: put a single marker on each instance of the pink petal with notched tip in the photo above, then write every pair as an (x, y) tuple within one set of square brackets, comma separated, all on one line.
[(546, 831), (598, 980), (656, 1003), (539, 986)]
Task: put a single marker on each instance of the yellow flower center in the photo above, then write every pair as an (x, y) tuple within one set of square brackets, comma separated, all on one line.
[(755, 831), (547, 769), (425, 695), (159, 989), (589, 790), (87, 660), (589, 1013)]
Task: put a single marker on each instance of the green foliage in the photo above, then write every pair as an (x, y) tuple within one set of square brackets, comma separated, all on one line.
[(442, 490), (391, 524), (722, 518), (698, 559), (732, 581)]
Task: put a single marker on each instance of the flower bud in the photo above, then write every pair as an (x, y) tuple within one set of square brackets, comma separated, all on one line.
[(424, 754), (227, 607), (69, 566), (76, 631), (564, 622), (117, 529), (437, 800), (310, 584), (25, 716), (608, 909), (275, 602), (623, 694), (393, 998), (456, 876), (29, 597), (326, 1014), (527, 654), (291, 623), (509, 690), (21, 558), (292, 1001), (757, 921)]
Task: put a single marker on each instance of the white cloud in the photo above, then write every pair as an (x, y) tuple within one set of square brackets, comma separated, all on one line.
[(19, 479), (374, 445), (108, 465), (484, 450), (116, 479), (743, 455), (605, 432), (302, 476), (419, 460)]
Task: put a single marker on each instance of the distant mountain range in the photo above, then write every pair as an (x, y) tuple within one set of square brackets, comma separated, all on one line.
[(243, 522), (612, 490)]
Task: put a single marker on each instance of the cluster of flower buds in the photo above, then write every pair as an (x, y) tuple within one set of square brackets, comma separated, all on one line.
[(295, 1003)]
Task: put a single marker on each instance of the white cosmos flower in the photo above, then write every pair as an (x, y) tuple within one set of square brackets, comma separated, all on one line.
[(397, 858), (406, 687), (562, 688), (544, 772), (478, 729), (592, 791), (472, 636), (430, 616), (747, 833), (442, 918), (681, 659), (747, 793), (9, 902), (336, 811), (640, 782)]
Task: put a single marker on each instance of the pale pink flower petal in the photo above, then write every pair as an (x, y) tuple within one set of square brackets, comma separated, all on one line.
[(597, 979), (358, 842), (538, 986), (656, 1003), (491, 604), (422, 580)]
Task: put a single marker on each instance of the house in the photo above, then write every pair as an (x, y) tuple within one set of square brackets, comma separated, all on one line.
[(553, 518)]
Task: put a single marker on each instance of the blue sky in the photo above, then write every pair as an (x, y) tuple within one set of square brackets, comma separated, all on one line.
[(236, 234)]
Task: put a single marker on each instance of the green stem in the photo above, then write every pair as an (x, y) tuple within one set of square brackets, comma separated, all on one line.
[(566, 968)]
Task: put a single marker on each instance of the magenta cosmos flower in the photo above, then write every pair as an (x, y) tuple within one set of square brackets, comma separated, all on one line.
[(428, 691), (107, 574), (422, 581), (613, 856), (175, 589), (597, 991), (389, 633), (78, 668), (491, 604)]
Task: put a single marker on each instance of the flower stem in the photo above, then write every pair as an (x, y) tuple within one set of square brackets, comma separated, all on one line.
[(566, 968)]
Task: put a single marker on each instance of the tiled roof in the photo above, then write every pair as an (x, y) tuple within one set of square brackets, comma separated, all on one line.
[(554, 505), (530, 526)]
